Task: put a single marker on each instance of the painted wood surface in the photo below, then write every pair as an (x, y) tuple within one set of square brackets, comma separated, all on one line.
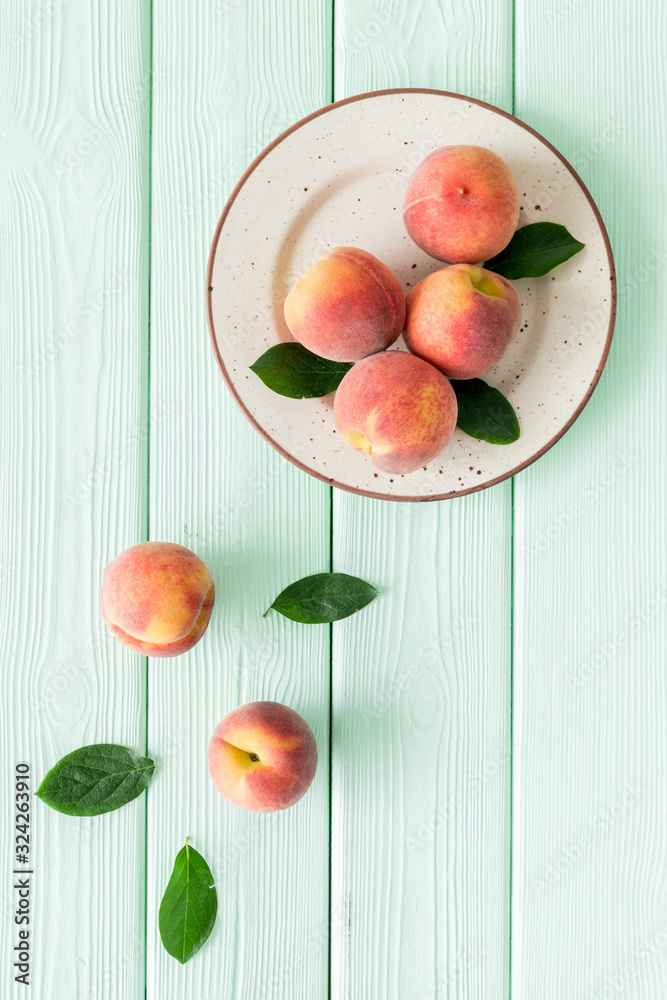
[(590, 804), (74, 137), (236, 74), (472, 796), (421, 680)]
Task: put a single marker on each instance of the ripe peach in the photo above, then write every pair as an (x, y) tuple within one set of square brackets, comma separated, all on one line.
[(347, 306), (157, 598), (396, 408), (462, 319), (262, 756), (462, 204)]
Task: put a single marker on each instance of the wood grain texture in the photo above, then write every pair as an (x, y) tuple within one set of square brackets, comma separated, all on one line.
[(229, 77), (421, 752), (421, 679), (74, 282), (590, 804)]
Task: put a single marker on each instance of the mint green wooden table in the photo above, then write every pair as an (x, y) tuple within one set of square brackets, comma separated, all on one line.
[(490, 812)]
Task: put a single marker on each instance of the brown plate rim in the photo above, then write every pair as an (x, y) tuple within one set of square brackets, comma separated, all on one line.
[(452, 494)]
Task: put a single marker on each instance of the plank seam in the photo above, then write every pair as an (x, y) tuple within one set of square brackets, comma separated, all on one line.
[(148, 456), (511, 650), (332, 97), (331, 627)]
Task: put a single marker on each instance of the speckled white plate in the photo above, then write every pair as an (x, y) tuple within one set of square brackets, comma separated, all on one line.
[(338, 178)]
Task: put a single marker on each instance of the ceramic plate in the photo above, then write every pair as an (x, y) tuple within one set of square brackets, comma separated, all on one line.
[(338, 178)]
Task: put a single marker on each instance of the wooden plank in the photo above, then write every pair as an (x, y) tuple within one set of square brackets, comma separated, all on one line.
[(74, 287), (421, 679), (590, 804), (238, 74)]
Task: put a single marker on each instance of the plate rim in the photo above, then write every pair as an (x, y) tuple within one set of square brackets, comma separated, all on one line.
[(331, 481)]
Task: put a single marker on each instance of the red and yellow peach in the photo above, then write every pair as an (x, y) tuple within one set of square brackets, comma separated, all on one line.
[(157, 598), (462, 204), (347, 306), (263, 756), (396, 408), (462, 319)]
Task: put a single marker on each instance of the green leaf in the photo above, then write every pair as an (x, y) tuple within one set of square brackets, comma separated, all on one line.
[(95, 780), (324, 597), (291, 370), (535, 250), (189, 905), (484, 413)]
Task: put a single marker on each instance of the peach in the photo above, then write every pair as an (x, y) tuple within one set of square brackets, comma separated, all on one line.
[(262, 756), (396, 408), (462, 319), (157, 598), (347, 306), (461, 204)]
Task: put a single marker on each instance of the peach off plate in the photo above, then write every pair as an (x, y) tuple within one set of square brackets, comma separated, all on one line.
[(338, 178)]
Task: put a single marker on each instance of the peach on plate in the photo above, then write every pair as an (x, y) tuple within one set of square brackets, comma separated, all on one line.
[(462, 204), (262, 756), (396, 408), (157, 598), (347, 306), (462, 319)]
